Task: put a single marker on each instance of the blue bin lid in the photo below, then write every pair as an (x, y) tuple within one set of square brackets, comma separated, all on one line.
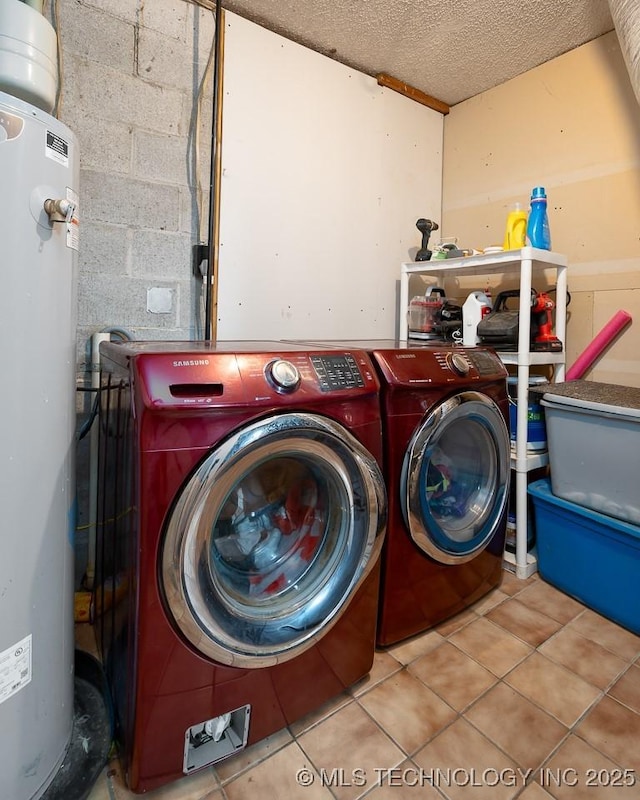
[(541, 490)]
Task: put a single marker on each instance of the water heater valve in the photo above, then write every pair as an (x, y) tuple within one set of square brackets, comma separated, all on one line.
[(60, 210)]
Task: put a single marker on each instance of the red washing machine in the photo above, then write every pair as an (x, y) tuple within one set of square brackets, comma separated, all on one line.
[(445, 412), (242, 512)]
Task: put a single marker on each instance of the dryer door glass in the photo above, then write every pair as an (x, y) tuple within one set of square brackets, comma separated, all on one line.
[(455, 481), (270, 538)]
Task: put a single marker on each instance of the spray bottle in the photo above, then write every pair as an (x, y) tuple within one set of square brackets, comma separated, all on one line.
[(475, 307)]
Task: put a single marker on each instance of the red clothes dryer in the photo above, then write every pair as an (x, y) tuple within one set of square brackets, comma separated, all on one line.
[(445, 412), (241, 513)]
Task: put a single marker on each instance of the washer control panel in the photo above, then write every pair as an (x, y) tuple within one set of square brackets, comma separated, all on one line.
[(456, 361), (432, 366), (486, 362), (338, 371), (244, 373)]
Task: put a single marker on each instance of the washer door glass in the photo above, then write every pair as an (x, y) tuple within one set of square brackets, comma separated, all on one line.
[(455, 480), (270, 538)]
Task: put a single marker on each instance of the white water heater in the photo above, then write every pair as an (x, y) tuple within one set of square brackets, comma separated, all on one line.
[(39, 170)]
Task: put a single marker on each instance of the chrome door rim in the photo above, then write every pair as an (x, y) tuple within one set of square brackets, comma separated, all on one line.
[(455, 408), (195, 597)]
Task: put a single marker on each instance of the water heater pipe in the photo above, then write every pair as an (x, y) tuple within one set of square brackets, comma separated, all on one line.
[(626, 18)]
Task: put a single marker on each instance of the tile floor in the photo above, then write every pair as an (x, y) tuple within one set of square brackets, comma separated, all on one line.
[(528, 695)]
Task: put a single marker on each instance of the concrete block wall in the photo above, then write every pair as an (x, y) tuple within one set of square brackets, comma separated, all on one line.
[(131, 72)]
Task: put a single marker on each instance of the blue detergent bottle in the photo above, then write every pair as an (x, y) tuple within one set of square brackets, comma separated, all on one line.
[(538, 234)]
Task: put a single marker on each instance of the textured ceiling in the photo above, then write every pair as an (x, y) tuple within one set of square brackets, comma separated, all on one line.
[(449, 49)]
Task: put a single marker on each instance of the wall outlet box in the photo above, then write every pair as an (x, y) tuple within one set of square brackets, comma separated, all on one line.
[(159, 300)]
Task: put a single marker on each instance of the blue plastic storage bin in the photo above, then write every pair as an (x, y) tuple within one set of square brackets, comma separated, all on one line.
[(592, 557)]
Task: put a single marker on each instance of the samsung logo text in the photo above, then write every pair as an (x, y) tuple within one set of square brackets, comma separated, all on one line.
[(195, 362)]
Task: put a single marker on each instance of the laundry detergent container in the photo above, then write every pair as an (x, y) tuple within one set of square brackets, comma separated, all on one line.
[(593, 434), (590, 556)]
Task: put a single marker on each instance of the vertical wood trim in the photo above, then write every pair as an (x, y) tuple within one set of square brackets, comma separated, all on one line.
[(218, 176)]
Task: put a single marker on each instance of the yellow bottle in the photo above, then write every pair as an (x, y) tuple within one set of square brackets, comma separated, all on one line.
[(515, 235)]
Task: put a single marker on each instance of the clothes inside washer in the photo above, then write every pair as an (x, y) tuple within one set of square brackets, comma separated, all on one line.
[(265, 547)]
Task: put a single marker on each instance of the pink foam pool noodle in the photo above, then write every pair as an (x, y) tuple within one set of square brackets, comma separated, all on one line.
[(586, 358)]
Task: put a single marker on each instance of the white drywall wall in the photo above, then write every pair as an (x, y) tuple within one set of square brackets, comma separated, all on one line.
[(324, 176)]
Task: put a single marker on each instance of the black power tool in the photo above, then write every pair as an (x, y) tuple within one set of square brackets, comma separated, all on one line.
[(500, 328), (426, 227)]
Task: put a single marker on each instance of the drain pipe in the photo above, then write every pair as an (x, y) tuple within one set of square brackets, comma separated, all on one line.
[(626, 18)]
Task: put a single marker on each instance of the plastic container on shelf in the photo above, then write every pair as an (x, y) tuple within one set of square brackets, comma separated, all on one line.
[(512, 530), (515, 235), (536, 428), (424, 313), (538, 233), (475, 307)]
